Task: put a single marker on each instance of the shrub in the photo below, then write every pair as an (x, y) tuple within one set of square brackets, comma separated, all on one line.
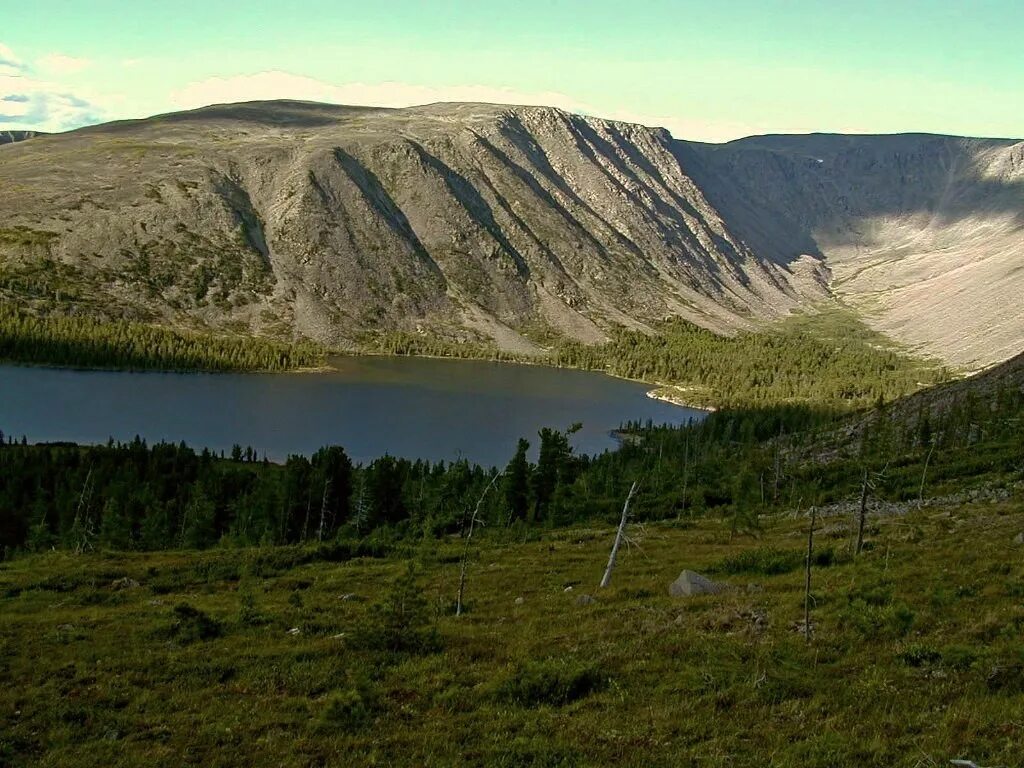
[(549, 682), (191, 624), (346, 710), (919, 656), (959, 657), (401, 622), (877, 621), (249, 614), (768, 561), (1006, 678)]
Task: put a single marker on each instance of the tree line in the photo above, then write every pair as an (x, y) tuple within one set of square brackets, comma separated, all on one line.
[(91, 343), (834, 359), (790, 363)]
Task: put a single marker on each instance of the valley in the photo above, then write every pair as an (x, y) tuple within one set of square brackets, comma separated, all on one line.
[(246, 541)]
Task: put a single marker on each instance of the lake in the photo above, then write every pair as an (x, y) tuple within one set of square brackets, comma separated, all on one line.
[(409, 407)]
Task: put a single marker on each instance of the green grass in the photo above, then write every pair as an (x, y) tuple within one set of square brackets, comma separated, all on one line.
[(916, 657), (25, 236)]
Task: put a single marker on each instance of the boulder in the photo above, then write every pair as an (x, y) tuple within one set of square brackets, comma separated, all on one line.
[(585, 600), (692, 583), (1019, 538)]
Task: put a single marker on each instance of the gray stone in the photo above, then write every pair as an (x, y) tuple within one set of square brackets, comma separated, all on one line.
[(585, 600), (1019, 538), (692, 583), (520, 600)]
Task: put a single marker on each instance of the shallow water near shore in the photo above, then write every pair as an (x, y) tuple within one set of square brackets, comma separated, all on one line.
[(411, 407)]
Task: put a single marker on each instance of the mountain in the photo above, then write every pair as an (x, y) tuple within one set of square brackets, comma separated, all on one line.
[(511, 224), (923, 234), (990, 392), (983, 387)]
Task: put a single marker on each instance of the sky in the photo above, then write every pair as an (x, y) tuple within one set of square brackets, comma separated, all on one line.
[(710, 71)]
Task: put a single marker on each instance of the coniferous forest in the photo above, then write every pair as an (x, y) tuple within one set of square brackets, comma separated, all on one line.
[(91, 343), (830, 358)]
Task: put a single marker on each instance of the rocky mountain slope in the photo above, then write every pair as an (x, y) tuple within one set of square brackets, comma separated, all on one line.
[(9, 137), (924, 235), (510, 224)]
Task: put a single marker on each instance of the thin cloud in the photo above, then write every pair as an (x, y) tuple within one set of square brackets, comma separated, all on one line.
[(10, 64), (39, 103), (60, 64)]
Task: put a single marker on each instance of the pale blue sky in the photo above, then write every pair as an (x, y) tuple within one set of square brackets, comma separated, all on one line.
[(706, 70)]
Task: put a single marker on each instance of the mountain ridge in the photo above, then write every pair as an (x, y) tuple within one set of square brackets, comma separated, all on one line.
[(512, 225)]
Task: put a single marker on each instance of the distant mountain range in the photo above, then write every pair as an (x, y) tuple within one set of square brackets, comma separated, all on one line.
[(514, 225)]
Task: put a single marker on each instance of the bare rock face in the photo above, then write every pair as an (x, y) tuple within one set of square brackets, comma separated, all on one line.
[(9, 137), (923, 234), (511, 225), (692, 583)]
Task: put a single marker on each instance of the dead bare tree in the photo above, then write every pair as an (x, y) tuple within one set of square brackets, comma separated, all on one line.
[(778, 466), (807, 576), (924, 474), (862, 517), (686, 475), (620, 536), (82, 527), (473, 521), (323, 510), (869, 484)]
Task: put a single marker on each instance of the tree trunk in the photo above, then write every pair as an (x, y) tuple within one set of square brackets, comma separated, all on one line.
[(80, 525), (619, 536), (686, 475), (469, 536), (778, 469), (323, 511), (863, 514), (807, 577), (924, 474), (305, 522)]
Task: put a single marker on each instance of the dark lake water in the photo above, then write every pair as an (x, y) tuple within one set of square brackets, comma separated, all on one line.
[(416, 408)]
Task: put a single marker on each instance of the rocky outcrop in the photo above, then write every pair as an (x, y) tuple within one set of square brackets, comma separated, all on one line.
[(690, 583)]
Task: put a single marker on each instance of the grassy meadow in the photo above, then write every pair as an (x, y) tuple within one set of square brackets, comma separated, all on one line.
[(290, 656)]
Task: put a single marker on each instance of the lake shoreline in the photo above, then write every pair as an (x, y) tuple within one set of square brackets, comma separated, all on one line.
[(372, 405), (654, 394), (327, 367)]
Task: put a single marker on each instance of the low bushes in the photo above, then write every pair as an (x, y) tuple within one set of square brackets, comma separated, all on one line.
[(551, 682)]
